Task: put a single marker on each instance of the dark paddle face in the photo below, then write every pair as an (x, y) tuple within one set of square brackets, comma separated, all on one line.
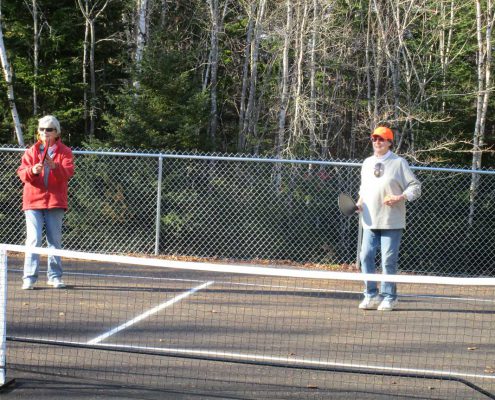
[(347, 206), (45, 151)]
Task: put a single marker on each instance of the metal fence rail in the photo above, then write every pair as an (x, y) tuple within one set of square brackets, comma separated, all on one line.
[(254, 209)]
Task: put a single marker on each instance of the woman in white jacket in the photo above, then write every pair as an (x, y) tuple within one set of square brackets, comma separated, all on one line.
[(387, 183)]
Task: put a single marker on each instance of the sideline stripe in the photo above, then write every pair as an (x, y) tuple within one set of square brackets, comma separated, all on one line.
[(264, 285), (154, 310)]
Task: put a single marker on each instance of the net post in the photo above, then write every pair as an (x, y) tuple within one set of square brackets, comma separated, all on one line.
[(158, 204), (3, 313)]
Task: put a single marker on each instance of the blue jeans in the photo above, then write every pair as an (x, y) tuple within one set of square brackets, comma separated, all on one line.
[(52, 220), (389, 241)]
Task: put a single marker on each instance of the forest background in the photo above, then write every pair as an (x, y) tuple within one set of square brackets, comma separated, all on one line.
[(285, 78)]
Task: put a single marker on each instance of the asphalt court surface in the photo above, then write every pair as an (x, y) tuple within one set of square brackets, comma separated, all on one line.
[(440, 330)]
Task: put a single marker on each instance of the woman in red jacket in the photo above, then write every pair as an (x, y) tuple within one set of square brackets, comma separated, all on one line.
[(45, 198)]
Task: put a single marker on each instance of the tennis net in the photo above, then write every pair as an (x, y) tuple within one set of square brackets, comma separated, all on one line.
[(249, 329)]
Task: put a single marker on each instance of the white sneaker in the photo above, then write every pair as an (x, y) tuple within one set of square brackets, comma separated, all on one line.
[(388, 305), (57, 283), (27, 285), (370, 303)]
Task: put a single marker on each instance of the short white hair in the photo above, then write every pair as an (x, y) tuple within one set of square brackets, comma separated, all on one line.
[(49, 121)]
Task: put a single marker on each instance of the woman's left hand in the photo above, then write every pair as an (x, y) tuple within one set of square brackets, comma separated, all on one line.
[(391, 199), (50, 162)]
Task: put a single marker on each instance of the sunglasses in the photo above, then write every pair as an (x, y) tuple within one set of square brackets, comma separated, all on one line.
[(379, 169), (377, 139), (47, 129)]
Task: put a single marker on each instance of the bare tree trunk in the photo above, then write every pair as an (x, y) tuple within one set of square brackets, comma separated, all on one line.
[(377, 66), (36, 40), (206, 75), (250, 117), (484, 55), (141, 36), (284, 87), (446, 43), (241, 140), (163, 14), (91, 14), (215, 27), (85, 70), (369, 66), (297, 132), (129, 37), (256, 118), (92, 77), (7, 73), (312, 78), (394, 62)]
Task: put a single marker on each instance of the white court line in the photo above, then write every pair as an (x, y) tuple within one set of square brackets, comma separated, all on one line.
[(441, 297), (154, 310), (301, 288), (262, 285)]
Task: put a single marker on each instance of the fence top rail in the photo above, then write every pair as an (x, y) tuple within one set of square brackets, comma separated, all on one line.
[(256, 159)]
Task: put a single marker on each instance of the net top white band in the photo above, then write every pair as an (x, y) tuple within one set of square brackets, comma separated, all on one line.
[(251, 270)]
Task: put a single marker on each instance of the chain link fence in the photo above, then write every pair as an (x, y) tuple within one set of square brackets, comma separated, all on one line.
[(256, 209)]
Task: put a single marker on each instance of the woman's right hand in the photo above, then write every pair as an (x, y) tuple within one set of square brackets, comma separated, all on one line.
[(37, 168)]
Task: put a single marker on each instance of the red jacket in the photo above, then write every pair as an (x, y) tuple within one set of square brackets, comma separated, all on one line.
[(36, 195)]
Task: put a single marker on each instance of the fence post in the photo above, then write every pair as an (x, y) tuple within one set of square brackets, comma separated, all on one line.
[(158, 204), (3, 314)]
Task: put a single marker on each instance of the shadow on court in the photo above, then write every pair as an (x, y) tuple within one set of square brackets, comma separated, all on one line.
[(56, 388), (29, 386)]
